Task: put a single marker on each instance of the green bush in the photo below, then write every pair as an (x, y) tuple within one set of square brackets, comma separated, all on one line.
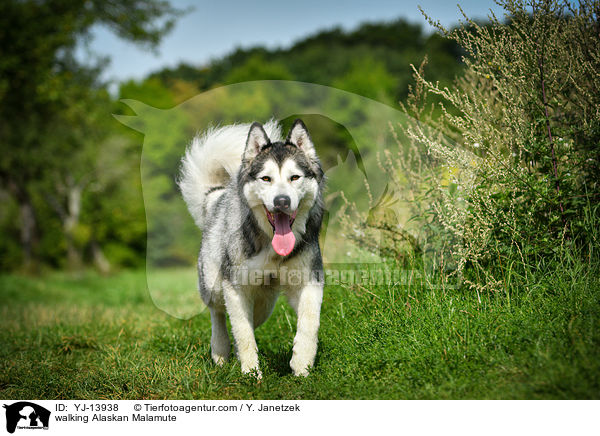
[(517, 138)]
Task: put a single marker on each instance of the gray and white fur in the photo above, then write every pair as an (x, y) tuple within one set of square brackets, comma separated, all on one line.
[(258, 200)]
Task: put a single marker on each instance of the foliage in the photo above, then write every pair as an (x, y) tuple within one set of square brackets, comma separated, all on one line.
[(332, 57), (368, 77), (518, 142), (69, 146), (257, 67), (53, 112)]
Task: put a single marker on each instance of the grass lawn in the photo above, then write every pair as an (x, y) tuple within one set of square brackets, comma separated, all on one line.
[(93, 337)]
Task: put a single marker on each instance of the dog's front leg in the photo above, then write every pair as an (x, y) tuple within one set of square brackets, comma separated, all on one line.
[(240, 309), (307, 304), (219, 340)]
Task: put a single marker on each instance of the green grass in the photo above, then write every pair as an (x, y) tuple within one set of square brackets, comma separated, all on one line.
[(102, 337)]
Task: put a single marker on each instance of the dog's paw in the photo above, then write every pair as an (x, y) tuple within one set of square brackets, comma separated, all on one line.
[(219, 360), (254, 371), (301, 373), (300, 368)]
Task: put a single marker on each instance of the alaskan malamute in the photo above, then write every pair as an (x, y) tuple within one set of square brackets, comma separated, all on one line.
[(258, 200)]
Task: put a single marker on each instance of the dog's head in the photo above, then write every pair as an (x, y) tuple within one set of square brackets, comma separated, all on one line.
[(281, 181)]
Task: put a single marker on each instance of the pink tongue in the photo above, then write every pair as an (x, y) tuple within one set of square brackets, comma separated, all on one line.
[(283, 240)]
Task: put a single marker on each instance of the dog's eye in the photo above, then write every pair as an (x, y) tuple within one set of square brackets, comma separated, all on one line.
[(265, 179), (294, 177)]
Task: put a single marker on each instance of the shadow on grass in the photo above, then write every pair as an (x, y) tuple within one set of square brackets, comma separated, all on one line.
[(277, 361)]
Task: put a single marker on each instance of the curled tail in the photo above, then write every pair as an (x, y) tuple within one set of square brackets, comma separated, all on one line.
[(212, 159)]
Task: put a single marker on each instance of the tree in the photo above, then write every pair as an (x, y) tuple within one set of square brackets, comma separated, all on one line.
[(40, 80), (370, 78)]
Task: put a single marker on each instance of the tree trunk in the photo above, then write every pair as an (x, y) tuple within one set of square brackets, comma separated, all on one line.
[(100, 260), (67, 205), (28, 224), (70, 224)]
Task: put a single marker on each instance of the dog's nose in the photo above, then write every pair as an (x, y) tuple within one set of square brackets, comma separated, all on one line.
[(282, 203)]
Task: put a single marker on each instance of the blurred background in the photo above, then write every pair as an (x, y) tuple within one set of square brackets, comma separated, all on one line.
[(70, 185)]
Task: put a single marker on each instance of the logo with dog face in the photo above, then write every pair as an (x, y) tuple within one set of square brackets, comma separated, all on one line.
[(26, 415), (374, 194)]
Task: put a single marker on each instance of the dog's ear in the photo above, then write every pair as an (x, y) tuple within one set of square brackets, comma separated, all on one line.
[(257, 140), (300, 137)]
